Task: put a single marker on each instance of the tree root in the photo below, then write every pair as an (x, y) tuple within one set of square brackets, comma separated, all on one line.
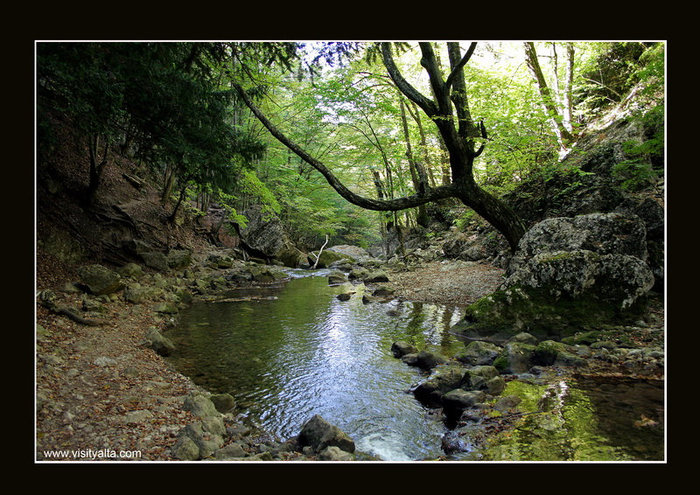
[(47, 301)]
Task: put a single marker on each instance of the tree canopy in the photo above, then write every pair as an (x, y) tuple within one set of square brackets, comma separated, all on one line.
[(390, 127)]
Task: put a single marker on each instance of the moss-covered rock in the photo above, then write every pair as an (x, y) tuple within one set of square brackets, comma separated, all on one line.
[(327, 258), (99, 280)]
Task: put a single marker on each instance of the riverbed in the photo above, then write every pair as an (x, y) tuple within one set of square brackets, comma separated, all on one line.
[(286, 352)]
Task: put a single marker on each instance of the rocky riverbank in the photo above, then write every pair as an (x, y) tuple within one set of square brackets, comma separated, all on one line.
[(104, 387), (104, 383)]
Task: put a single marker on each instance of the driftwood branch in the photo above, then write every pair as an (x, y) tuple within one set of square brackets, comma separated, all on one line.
[(320, 251)]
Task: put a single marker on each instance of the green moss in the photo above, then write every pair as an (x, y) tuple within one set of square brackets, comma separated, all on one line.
[(535, 311), (529, 394)]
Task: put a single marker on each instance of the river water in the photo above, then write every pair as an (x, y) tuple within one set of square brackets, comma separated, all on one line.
[(286, 353)]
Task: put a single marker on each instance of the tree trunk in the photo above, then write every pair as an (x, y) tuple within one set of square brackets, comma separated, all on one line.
[(173, 215), (458, 134), (169, 175), (563, 135), (97, 166), (568, 90), (418, 175)]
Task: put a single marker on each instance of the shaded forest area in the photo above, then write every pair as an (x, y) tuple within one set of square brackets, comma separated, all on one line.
[(524, 182)]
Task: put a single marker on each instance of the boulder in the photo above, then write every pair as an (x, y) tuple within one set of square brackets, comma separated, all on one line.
[(205, 435), (336, 277), (477, 377), (179, 258), (318, 434), (328, 258), (601, 233), (428, 360), (568, 273), (516, 357), (99, 280), (456, 401), (377, 276), (156, 341), (264, 234), (200, 405), (617, 278), (156, 260), (401, 348), (430, 392), (355, 253), (135, 293), (479, 352), (223, 402), (292, 257), (333, 453), (131, 270)]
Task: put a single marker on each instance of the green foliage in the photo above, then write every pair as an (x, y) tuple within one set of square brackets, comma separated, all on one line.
[(251, 187)]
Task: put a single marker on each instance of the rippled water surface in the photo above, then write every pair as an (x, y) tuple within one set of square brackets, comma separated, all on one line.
[(286, 353), (303, 352)]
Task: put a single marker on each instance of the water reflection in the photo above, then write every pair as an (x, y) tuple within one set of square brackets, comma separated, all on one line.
[(308, 353)]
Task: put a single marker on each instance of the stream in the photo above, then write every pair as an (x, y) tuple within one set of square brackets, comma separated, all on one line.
[(286, 353)]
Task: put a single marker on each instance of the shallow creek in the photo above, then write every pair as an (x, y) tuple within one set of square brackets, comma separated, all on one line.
[(286, 353)]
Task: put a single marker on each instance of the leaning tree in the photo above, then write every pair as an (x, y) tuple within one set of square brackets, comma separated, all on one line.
[(449, 110)]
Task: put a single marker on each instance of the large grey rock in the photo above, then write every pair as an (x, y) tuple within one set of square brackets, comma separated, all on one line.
[(265, 234), (355, 253), (618, 278), (200, 405), (99, 280), (318, 434), (159, 343), (156, 260), (601, 233)]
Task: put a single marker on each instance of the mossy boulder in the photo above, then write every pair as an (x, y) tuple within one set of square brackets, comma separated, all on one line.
[(179, 258), (337, 277), (516, 357), (319, 434), (401, 348), (568, 274), (328, 258), (479, 352), (99, 280), (476, 378)]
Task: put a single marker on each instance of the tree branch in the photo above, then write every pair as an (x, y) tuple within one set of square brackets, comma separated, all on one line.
[(458, 67), (428, 106), (429, 195)]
